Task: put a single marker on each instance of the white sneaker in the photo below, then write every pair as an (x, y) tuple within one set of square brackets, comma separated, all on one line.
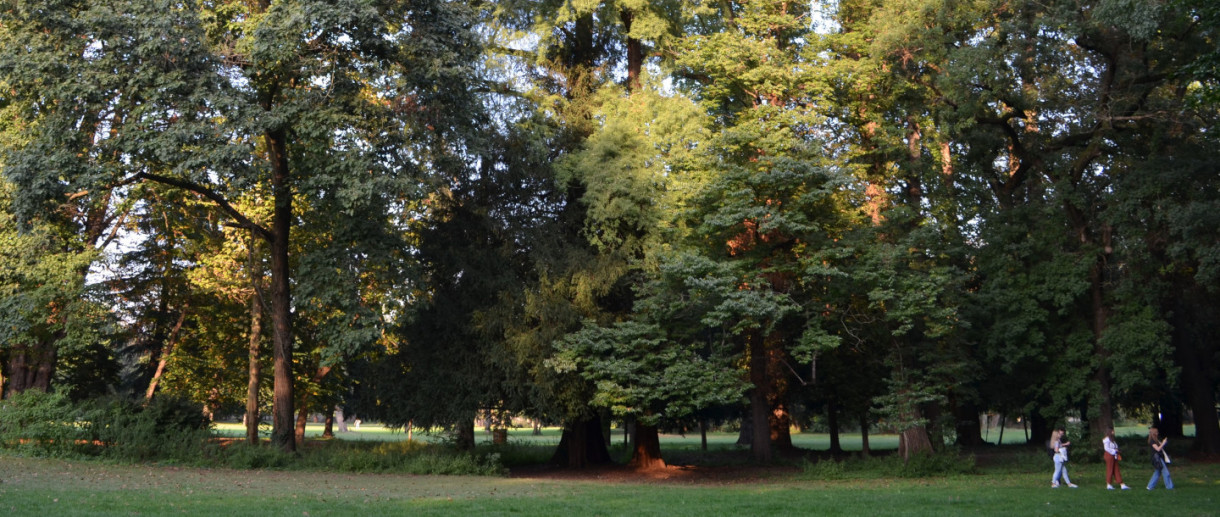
[(1072, 485), (1125, 487), (1109, 487), (1056, 485)]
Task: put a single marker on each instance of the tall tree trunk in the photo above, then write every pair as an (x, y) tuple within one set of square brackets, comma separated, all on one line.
[(760, 444), (832, 421), (329, 430), (1195, 325), (781, 427), (465, 434), (745, 435), (298, 430), (30, 367), (864, 423), (913, 439), (341, 417), (607, 431), (703, 434), (303, 417), (282, 430), (646, 454), (167, 349), (932, 414), (254, 342), (635, 52), (779, 419), (581, 445), (1102, 410), (969, 431), (1039, 428)]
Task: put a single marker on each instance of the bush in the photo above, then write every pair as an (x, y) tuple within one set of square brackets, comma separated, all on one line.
[(165, 429), (406, 457), (43, 424), (519, 454), (946, 463)]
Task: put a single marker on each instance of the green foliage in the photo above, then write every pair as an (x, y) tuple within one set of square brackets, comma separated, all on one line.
[(401, 457), (166, 429), (112, 427), (921, 465), (1001, 204), (640, 373), (42, 424)]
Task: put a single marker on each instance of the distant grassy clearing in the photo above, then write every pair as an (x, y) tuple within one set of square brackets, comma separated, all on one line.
[(716, 441)]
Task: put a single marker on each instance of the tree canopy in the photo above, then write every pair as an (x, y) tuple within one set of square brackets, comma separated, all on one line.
[(897, 213)]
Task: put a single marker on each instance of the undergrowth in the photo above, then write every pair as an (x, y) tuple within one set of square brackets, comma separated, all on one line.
[(948, 463), (172, 431)]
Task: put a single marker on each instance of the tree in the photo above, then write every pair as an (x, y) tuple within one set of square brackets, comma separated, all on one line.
[(311, 99), (48, 312), (777, 204)]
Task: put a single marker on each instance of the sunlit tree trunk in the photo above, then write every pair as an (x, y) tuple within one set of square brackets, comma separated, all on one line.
[(646, 454), (282, 429), (166, 351), (254, 343)]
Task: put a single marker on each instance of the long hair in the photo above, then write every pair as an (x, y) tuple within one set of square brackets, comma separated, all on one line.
[(1153, 435)]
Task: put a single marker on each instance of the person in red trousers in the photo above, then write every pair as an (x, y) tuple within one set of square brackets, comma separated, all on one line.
[(1112, 471)]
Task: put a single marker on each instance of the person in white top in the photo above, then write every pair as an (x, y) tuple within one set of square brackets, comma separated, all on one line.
[(1112, 458)]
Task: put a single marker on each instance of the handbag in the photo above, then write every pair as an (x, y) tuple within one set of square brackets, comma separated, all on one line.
[(1118, 456), (1166, 455)]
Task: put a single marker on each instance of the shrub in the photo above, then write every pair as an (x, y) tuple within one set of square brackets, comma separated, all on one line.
[(405, 457), (945, 463), (43, 424), (245, 456), (519, 454), (167, 429)]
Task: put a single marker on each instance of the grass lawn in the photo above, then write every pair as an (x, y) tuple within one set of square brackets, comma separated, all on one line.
[(50, 487)]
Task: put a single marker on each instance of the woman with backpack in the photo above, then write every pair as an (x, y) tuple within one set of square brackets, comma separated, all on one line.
[(1160, 459)]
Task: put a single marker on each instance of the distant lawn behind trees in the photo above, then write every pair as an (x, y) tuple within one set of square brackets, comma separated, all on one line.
[(550, 436)]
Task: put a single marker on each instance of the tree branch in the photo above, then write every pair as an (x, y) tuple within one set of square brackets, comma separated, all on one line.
[(211, 195)]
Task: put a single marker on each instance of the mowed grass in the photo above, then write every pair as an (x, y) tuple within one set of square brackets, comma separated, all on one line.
[(49, 487), (1012, 480)]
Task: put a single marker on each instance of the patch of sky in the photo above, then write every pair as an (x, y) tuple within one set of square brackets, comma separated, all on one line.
[(822, 15)]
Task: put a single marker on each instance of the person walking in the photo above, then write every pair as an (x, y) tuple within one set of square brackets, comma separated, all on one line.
[(1059, 448), (1110, 445), (1160, 459)]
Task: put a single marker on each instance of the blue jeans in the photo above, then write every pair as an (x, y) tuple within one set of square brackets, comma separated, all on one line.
[(1060, 470), (1157, 473)]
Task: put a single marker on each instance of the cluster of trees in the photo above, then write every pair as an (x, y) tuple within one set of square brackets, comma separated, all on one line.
[(659, 212)]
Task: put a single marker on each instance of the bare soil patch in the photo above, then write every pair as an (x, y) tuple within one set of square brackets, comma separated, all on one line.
[(670, 474)]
